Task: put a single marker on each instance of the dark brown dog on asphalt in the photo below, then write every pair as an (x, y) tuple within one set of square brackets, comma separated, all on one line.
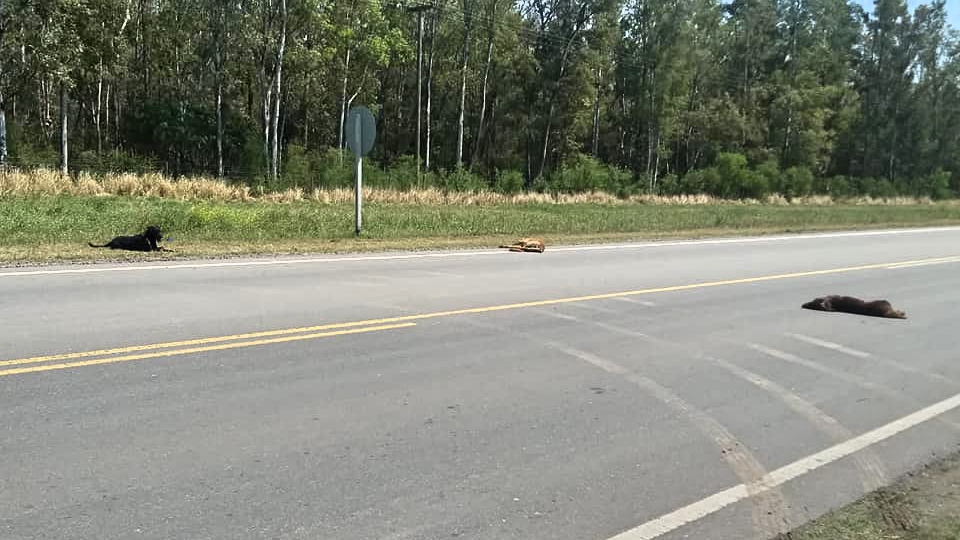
[(137, 242), (850, 304)]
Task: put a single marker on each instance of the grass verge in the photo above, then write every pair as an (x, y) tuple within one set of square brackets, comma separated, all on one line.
[(924, 505), (47, 228)]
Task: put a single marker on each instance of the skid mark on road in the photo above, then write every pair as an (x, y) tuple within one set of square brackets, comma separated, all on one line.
[(870, 469), (881, 389), (863, 354), (770, 511)]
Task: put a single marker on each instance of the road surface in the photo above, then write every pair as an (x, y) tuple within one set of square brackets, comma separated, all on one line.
[(667, 391)]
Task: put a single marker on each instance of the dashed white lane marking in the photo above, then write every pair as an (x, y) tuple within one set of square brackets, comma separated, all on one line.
[(477, 253), (636, 301), (873, 358), (593, 307), (843, 376), (829, 345), (718, 501)]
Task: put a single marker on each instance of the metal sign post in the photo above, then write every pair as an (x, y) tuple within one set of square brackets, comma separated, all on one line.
[(362, 133)]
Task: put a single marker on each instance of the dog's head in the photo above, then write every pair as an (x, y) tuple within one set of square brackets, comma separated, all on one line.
[(153, 233), (821, 304)]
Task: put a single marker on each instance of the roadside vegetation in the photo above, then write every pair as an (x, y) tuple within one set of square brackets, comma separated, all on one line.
[(46, 216), (584, 120), (923, 505)]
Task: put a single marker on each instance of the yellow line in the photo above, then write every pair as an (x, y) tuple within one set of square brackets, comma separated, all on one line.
[(175, 352), (168, 344), (386, 320)]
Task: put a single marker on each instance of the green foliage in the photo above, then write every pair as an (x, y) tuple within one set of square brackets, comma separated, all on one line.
[(738, 99), (508, 182), (797, 182), (460, 179)]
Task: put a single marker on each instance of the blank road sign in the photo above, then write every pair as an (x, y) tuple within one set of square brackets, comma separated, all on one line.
[(367, 128)]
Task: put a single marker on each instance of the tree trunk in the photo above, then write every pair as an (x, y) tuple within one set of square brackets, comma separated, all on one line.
[(220, 58), (63, 129), (419, 90), (467, 27), (275, 121), (106, 113), (595, 143), (343, 104), (98, 108), (116, 122), (220, 127), (341, 134), (656, 166), (581, 19), (267, 100), (275, 113), (433, 40), (483, 98), (399, 126), (3, 131), (546, 136)]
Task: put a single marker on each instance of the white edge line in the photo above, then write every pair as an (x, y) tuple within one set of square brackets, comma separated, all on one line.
[(722, 499), (925, 263), (359, 258)]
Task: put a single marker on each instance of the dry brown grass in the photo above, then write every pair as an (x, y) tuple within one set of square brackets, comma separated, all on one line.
[(16, 183)]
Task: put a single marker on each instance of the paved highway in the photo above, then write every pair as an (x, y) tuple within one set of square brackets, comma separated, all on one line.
[(667, 390)]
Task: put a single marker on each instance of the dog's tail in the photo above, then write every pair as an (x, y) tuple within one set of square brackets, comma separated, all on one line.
[(91, 244)]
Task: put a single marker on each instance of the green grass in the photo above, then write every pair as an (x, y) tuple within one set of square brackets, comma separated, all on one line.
[(924, 505), (58, 227)]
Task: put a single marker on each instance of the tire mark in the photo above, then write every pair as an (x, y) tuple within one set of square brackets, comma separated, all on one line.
[(769, 509), (881, 389), (870, 469)]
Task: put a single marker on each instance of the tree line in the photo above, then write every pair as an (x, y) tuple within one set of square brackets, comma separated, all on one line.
[(730, 97)]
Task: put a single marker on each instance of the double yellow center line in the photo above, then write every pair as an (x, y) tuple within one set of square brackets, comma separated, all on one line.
[(176, 348), (32, 362)]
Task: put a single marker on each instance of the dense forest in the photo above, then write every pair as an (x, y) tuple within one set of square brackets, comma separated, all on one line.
[(735, 98)]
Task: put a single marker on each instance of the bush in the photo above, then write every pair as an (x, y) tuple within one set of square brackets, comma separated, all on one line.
[(731, 173), (509, 182), (461, 179), (581, 173), (836, 187), (937, 185), (797, 182), (769, 170)]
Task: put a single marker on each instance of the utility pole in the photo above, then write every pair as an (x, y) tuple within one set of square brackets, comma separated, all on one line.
[(419, 9)]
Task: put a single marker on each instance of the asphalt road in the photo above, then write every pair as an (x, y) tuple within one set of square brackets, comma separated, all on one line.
[(578, 394)]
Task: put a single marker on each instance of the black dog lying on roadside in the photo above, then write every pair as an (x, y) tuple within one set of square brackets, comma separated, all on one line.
[(138, 242)]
